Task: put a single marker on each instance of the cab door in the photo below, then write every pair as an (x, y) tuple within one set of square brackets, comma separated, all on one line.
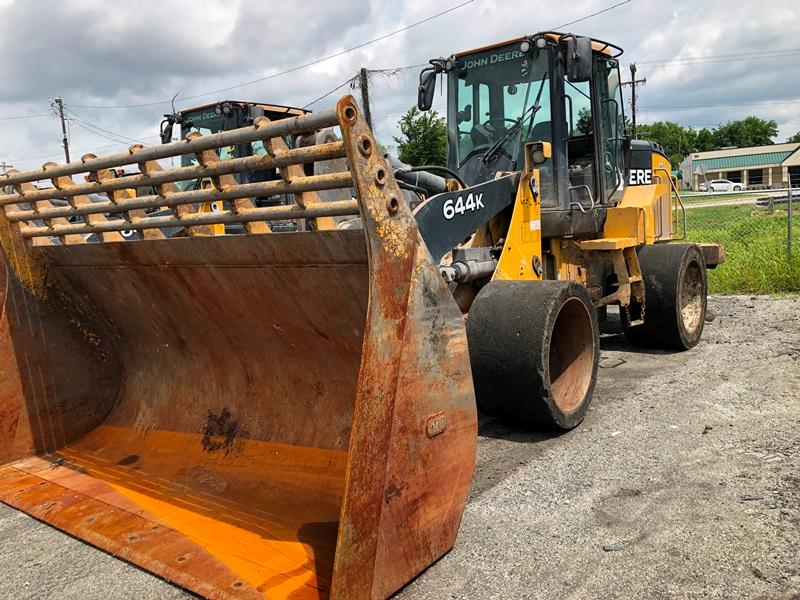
[(611, 127)]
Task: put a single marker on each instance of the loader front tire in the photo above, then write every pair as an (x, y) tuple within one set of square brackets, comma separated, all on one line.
[(534, 351), (675, 288)]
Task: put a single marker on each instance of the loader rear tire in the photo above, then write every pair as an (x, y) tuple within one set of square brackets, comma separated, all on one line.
[(675, 288), (534, 350)]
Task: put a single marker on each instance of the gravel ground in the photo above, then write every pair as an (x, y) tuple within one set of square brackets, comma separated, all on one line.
[(683, 481)]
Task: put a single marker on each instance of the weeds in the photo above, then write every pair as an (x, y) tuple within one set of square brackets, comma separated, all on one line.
[(755, 248)]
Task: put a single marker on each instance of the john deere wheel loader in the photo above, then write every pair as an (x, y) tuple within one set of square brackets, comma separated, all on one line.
[(292, 415), (562, 215)]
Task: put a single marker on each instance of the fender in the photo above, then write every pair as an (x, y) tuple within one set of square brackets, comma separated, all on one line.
[(447, 219)]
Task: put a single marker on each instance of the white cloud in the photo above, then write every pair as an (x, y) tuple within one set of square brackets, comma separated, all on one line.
[(136, 52)]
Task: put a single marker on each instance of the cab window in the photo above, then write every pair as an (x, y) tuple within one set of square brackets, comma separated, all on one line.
[(609, 90), (580, 142)]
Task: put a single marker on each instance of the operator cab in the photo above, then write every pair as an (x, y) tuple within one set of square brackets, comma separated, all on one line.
[(224, 116), (549, 87)]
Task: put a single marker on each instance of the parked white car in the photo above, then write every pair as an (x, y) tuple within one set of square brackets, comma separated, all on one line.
[(722, 185)]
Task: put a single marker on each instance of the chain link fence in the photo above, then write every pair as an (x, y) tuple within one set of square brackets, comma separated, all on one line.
[(762, 243)]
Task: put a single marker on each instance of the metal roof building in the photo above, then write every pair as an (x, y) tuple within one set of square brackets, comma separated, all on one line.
[(755, 167)]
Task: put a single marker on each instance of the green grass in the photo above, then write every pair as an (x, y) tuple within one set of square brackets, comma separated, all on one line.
[(755, 248)]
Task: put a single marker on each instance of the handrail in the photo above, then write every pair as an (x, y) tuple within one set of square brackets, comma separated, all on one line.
[(676, 205), (579, 204)]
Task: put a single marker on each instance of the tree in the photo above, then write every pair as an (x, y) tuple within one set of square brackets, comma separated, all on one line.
[(750, 131), (424, 138), (704, 141), (584, 124), (676, 140), (795, 139)]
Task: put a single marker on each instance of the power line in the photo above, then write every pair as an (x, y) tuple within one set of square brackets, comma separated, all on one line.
[(80, 120), (720, 104), (102, 135), (326, 94), (722, 58), (391, 70), (394, 70), (298, 67), (36, 116), (599, 12)]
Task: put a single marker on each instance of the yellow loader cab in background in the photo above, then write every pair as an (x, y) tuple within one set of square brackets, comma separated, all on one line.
[(250, 409), (227, 115)]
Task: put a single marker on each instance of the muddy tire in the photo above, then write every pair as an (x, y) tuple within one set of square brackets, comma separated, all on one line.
[(534, 351), (675, 297)]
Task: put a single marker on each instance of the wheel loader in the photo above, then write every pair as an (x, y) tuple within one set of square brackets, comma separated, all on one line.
[(252, 413)]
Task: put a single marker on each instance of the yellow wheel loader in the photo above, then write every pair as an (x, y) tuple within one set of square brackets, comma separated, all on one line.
[(252, 413), (552, 215)]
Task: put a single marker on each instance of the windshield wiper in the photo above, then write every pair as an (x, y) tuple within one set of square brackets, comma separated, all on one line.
[(516, 127), (495, 148)]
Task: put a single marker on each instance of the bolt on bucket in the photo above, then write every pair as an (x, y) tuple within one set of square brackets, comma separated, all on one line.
[(258, 414)]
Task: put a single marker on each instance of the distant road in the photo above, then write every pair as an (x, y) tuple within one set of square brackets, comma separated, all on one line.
[(712, 203), (696, 200)]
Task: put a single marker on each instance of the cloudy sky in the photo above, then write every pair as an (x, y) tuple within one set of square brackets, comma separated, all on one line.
[(706, 61)]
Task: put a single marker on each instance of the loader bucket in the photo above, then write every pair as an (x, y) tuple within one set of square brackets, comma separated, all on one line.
[(279, 415)]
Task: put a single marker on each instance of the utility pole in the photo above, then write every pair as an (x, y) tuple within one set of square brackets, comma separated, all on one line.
[(60, 104), (364, 85), (633, 83), (789, 240), (5, 166)]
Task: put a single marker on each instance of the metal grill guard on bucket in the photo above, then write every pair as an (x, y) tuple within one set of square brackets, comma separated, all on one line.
[(282, 415)]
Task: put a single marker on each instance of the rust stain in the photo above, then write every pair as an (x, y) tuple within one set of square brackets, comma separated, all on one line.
[(405, 492), (128, 460), (222, 433), (394, 492)]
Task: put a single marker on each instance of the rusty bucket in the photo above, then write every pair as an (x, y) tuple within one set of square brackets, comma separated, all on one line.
[(252, 415)]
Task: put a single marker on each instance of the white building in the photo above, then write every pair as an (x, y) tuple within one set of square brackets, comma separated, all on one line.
[(758, 167)]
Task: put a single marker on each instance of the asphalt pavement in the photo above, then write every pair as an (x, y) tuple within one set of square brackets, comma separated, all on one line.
[(682, 482)]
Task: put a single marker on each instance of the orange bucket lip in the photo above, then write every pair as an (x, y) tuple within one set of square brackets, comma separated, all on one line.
[(268, 514)]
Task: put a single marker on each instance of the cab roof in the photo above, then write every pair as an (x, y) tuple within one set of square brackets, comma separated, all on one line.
[(269, 108), (597, 45)]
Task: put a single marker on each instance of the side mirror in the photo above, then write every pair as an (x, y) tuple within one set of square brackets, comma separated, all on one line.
[(166, 129), (253, 112), (465, 114), (427, 84), (579, 59)]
